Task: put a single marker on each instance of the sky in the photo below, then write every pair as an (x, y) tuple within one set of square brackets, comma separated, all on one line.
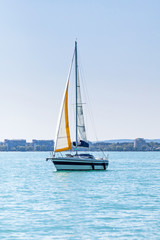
[(119, 51)]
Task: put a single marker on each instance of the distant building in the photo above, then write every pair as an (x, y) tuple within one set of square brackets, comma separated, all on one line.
[(13, 144), (140, 144), (44, 145)]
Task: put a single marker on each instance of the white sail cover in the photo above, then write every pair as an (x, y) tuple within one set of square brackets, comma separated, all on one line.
[(62, 140), (80, 117)]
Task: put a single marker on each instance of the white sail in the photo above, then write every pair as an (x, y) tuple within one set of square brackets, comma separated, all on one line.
[(62, 140), (80, 116)]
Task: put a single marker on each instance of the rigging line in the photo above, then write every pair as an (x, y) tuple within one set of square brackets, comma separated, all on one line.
[(88, 100), (81, 77)]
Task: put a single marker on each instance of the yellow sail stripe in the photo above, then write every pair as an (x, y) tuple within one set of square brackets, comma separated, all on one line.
[(67, 119), (66, 124)]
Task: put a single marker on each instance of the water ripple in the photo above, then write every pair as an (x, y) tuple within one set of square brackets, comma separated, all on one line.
[(38, 203)]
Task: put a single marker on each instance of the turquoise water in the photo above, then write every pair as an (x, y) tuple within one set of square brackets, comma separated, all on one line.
[(120, 203)]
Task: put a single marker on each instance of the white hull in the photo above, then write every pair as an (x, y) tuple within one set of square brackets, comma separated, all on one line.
[(79, 164)]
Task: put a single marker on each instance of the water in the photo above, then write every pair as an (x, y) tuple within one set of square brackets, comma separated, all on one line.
[(120, 203)]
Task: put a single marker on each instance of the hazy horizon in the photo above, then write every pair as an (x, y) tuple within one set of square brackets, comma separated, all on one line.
[(106, 140)]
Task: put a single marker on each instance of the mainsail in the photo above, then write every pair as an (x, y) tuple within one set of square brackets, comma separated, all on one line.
[(63, 140), (80, 116)]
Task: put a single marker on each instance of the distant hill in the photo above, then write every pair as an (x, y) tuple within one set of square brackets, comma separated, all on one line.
[(152, 140), (126, 141), (115, 141)]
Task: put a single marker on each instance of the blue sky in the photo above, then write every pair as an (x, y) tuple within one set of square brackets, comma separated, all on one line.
[(118, 43)]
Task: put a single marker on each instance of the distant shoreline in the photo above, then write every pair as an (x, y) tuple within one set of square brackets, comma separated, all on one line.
[(119, 145)]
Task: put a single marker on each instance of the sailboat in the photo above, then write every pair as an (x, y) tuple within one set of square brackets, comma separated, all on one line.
[(74, 160)]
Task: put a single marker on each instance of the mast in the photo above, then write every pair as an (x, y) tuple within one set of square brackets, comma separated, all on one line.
[(76, 93)]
